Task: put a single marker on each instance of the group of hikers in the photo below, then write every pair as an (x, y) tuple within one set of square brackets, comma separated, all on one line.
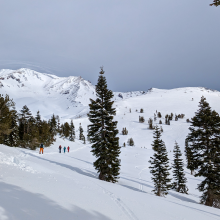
[(64, 149), (60, 148)]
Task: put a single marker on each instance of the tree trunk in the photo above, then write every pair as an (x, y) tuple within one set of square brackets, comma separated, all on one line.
[(209, 200)]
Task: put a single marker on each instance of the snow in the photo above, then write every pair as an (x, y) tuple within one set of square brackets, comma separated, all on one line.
[(65, 186)]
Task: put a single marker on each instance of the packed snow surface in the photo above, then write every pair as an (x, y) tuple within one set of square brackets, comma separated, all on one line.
[(54, 186)]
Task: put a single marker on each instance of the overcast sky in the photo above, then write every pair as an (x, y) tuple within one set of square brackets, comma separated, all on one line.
[(141, 43)]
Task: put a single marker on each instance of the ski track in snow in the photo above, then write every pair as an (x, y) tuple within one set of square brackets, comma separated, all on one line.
[(119, 203), (140, 178)]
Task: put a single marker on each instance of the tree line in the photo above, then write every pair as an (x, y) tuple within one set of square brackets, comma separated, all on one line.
[(27, 131)]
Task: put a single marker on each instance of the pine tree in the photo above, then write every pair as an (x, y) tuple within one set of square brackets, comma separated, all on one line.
[(66, 130), (130, 142), (72, 131), (103, 131), (24, 126), (9, 119), (5, 117), (13, 137), (204, 145), (178, 172), (160, 165), (45, 135), (166, 119), (189, 158), (141, 119), (81, 135), (150, 123), (159, 115), (53, 125), (215, 3), (124, 131)]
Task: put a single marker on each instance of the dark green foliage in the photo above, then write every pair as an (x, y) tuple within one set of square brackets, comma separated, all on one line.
[(187, 120), (141, 110), (189, 157), (203, 143), (12, 138), (54, 124), (181, 116), (130, 142), (170, 117), (215, 3), (166, 119), (45, 135), (159, 115), (22, 129), (124, 131), (176, 118), (26, 129), (179, 183), (160, 165), (66, 129), (81, 135), (103, 131), (72, 131), (124, 145), (161, 129), (150, 122), (141, 119), (6, 111), (160, 122)]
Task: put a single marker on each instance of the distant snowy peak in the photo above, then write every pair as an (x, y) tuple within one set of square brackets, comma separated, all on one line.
[(74, 88)]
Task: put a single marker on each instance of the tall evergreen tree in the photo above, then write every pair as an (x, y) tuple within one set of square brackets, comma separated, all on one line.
[(66, 130), (204, 144), (24, 126), (13, 138), (179, 183), (5, 117), (160, 165), (103, 131), (189, 158), (54, 125), (72, 131)]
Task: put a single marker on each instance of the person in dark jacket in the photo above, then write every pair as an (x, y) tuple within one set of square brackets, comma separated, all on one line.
[(41, 148), (60, 148)]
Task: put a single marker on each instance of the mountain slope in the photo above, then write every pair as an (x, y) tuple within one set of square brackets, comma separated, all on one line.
[(65, 186), (67, 97)]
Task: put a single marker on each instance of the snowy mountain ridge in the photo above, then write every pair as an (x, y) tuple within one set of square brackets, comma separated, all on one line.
[(59, 95)]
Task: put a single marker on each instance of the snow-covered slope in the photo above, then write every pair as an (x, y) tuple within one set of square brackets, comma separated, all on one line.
[(67, 97), (65, 186)]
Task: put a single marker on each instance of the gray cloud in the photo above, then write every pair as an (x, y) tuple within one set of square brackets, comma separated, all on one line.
[(141, 44)]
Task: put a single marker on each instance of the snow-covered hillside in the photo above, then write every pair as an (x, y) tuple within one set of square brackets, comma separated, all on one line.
[(65, 186), (67, 97)]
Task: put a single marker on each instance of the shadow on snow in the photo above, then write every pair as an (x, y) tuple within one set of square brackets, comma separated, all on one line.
[(18, 204)]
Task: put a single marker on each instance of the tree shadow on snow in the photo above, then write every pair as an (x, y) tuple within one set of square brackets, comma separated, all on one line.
[(76, 169), (18, 204), (181, 197), (140, 183), (82, 160)]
